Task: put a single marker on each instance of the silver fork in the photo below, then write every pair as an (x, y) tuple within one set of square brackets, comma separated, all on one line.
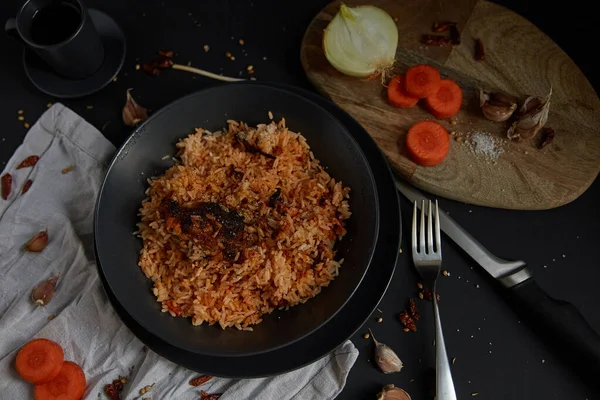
[(427, 257)]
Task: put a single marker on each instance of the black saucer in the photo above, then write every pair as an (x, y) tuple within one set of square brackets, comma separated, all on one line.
[(56, 85)]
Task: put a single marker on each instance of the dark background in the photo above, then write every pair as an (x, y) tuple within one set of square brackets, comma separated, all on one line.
[(496, 355)]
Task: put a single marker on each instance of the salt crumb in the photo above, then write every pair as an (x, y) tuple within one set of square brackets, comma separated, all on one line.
[(543, 361), (484, 144), (477, 286), (554, 259), (564, 256), (545, 266)]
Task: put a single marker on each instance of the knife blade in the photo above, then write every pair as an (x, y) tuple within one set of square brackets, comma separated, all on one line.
[(557, 322)]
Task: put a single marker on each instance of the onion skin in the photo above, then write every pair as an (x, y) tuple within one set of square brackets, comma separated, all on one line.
[(360, 41)]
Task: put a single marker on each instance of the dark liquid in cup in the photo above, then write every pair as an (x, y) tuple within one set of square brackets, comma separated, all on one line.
[(55, 23)]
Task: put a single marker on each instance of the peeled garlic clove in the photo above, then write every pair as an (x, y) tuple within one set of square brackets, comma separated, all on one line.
[(133, 113), (387, 360), (43, 293), (37, 243), (390, 392)]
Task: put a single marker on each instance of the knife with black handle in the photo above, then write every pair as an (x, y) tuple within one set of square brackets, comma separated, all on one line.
[(557, 322)]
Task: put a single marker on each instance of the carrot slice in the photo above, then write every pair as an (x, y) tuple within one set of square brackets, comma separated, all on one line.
[(422, 80), (427, 143), (447, 101), (39, 361), (397, 95), (68, 385)]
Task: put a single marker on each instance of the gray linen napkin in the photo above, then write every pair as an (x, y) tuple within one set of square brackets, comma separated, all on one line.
[(79, 317)]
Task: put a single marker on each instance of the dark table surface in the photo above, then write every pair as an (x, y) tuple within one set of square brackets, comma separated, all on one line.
[(496, 355)]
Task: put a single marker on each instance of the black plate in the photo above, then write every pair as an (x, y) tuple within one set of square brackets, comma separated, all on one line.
[(142, 155), (49, 82), (346, 322)]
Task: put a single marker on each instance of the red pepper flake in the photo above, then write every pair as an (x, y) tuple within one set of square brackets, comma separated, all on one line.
[(479, 50), (26, 186), (435, 40), (28, 162), (414, 311), (206, 396), (6, 183), (407, 321), (442, 26), (166, 53), (151, 69), (200, 380)]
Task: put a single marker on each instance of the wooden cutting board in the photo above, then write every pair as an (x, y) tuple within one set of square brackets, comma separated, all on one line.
[(521, 60)]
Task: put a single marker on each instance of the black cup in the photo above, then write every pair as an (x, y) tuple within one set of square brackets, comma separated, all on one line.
[(62, 34)]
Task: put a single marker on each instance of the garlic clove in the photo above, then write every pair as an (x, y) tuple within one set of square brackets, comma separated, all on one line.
[(387, 360), (498, 113), (133, 113), (497, 106), (534, 115), (37, 243), (390, 392), (43, 293)]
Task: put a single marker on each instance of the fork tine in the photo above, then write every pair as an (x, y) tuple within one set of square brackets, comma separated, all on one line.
[(414, 230), (429, 229), (422, 230), (438, 236)]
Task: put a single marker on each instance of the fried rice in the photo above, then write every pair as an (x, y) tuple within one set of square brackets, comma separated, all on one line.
[(244, 223)]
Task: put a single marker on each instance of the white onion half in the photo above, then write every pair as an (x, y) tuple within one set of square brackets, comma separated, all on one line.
[(361, 41)]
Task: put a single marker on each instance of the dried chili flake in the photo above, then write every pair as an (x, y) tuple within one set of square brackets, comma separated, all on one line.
[(6, 183), (454, 35), (166, 53), (428, 296), (414, 311), (111, 392), (435, 40), (28, 162), (479, 50), (407, 321), (151, 69), (200, 380), (442, 26), (67, 169), (206, 396)]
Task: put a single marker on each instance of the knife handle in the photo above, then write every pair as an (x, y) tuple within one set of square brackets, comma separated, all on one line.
[(562, 326)]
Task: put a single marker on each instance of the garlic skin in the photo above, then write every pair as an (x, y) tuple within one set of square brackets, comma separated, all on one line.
[(37, 243), (498, 106), (390, 392), (360, 41), (133, 114), (43, 293), (534, 115)]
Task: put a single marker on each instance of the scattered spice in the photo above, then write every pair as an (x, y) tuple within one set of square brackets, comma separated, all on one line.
[(380, 310), (43, 293), (166, 54), (228, 55), (453, 360), (21, 118), (485, 145), (200, 380), (146, 389), (390, 392), (406, 330), (420, 285), (414, 311), (48, 105), (113, 390), (241, 42), (115, 79), (28, 162), (445, 273), (137, 67), (133, 113), (206, 47), (379, 319), (366, 336), (533, 115), (67, 169), (26, 125), (479, 50), (442, 26), (51, 317), (37, 243), (474, 394), (205, 396), (249, 68), (6, 183), (20, 112), (407, 321), (89, 107), (232, 58), (547, 137), (270, 114), (387, 360), (428, 296), (435, 40), (421, 295)]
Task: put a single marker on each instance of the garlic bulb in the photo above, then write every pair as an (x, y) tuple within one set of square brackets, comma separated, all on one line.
[(361, 41)]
